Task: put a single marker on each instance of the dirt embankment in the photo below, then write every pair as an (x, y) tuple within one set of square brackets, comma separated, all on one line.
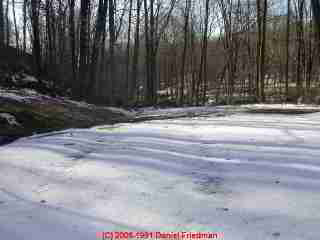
[(26, 112)]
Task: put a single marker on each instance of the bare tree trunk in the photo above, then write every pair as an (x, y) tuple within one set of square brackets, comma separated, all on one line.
[(204, 53), (84, 32), (54, 34), (112, 40), (310, 59), (15, 24), (300, 43), (263, 51), (261, 46), (287, 49), (151, 52), (147, 45), (128, 53), (153, 68), (193, 56), (24, 12), (1, 24), (258, 60), (7, 24), (136, 52), (315, 4), (98, 39), (49, 31), (72, 41), (184, 51), (36, 47)]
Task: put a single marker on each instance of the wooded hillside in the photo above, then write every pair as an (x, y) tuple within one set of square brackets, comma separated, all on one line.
[(171, 52)]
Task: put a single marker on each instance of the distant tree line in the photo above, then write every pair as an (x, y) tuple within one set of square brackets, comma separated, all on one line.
[(179, 52)]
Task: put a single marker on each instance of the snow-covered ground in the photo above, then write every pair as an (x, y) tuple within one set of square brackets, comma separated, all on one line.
[(247, 176)]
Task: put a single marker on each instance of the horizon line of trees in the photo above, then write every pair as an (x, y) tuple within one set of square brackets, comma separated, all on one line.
[(127, 52)]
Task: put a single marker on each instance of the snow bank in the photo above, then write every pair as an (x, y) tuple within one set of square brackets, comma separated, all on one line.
[(282, 106), (22, 95)]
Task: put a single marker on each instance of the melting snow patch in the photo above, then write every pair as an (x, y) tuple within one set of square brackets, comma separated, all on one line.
[(21, 95), (28, 78), (79, 104), (11, 95), (11, 120), (121, 111)]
